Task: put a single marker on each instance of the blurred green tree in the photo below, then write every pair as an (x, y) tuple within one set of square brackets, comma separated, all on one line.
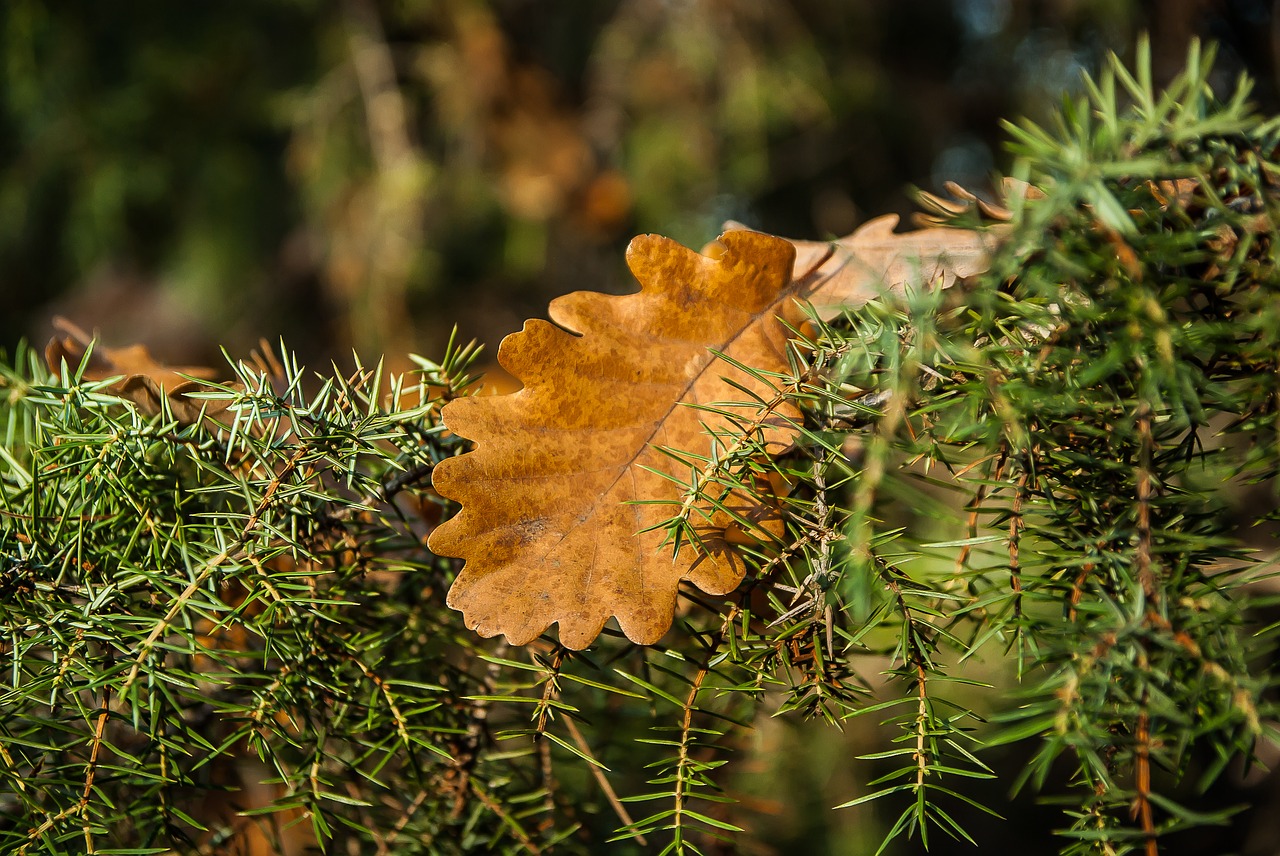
[(363, 173)]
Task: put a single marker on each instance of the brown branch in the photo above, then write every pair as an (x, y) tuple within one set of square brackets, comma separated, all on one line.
[(47, 824), (548, 783), (92, 768), (493, 806), (822, 515), (1142, 783), (1016, 526), (405, 816), (686, 724), (690, 704), (993, 474), (913, 653), (467, 751), (1146, 575), (147, 644), (81, 805), (402, 727), (550, 690), (616, 804)]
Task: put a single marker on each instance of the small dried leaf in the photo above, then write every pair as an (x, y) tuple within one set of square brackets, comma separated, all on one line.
[(143, 381), (134, 360), (874, 258), (1178, 193)]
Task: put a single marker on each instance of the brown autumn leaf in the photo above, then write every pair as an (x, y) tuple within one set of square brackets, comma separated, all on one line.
[(875, 257), (850, 270), (546, 525), (561, 486), (143, 380), (147, 382), (104, 362)]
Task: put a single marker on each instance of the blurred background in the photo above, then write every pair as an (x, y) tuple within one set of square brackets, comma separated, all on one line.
[(365, 174)]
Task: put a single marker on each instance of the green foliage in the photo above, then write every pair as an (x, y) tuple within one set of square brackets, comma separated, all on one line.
[(1097, 402), (1032, 479)]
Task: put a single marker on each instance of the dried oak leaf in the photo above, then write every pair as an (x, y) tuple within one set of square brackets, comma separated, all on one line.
[(567, 475), (143, 381), (851, 270), (547, 526)]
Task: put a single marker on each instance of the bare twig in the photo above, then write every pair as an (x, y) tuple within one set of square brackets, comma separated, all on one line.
[(1142, 782), (607, 789), (516, 829), (1146, 576)]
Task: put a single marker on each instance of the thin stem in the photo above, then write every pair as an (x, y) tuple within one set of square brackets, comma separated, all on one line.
[(683, 764), (1146, 576), (1142, 781), (597, 773)]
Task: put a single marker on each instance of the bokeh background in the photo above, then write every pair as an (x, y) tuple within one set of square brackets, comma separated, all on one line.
[(367, 174)]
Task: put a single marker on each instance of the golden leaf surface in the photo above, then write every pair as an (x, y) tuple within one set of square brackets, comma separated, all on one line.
[(566, 475), (548, 526)]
